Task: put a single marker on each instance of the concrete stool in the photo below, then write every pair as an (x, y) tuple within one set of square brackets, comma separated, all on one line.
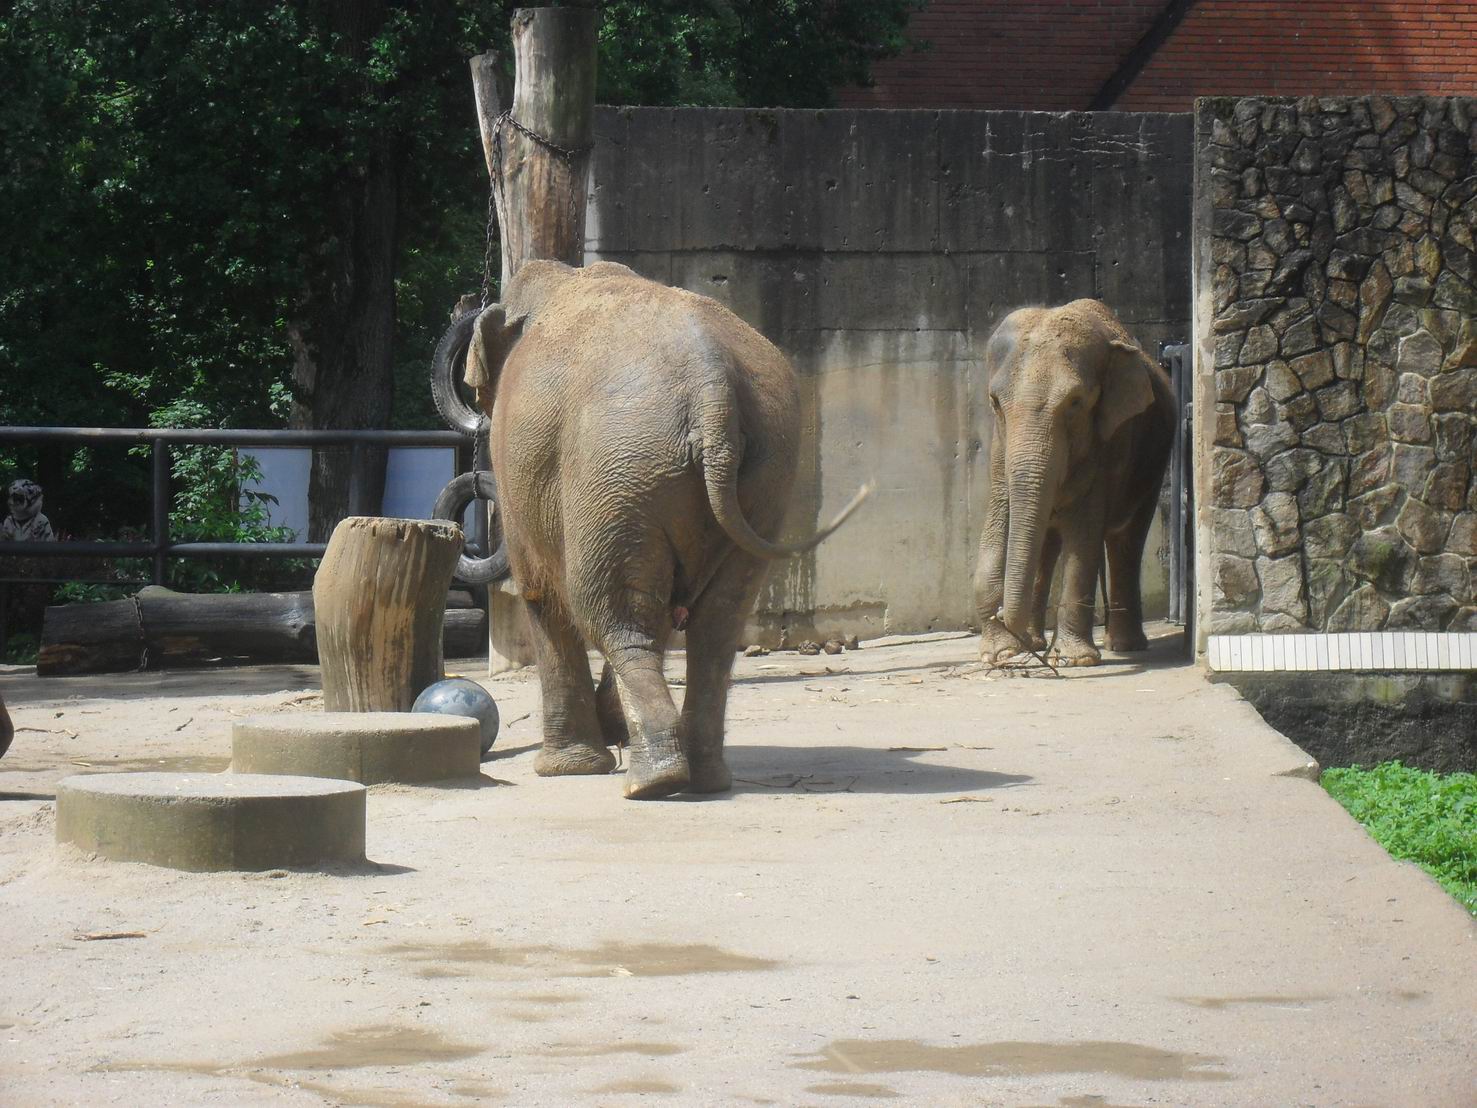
[(212, 821), (369, 747)]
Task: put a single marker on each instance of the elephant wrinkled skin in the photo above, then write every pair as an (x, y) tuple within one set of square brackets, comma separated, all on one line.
[(644, 440), (1084, 421)]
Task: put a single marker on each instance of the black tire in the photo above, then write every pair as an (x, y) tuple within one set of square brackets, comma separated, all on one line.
[(447, 390), (453, 501)]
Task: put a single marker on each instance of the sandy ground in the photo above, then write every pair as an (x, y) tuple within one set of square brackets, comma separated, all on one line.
[(931, 884)]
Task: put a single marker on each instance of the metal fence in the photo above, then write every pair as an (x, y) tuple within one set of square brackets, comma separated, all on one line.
[(160, 547)]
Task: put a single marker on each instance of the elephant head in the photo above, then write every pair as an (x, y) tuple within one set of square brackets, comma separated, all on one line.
[(1063, 382)]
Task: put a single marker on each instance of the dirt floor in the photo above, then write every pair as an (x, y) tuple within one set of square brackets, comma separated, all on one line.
[(931, 884)]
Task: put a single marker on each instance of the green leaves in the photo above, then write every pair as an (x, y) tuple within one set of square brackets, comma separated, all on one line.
[(1426, 818)]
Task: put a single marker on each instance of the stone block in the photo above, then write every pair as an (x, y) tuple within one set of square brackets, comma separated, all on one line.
[(1455, 391), (368, 747), (1365, 431), (1382, 557), (1236, 479), (1232, 532), (1409, 423), (1327, 438), (1234, 582), (1442, 573), (1339, 401), (1423, 527), (1421, 613), (1447, 486), (203, 822), (1260, 345), (1282, 587), (1362, 610), (1314, 370), (1419, 353), (1329, 536), (1275, 524), (1463, 536)]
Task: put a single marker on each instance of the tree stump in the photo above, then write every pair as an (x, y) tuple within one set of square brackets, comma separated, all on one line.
[(380, 597)]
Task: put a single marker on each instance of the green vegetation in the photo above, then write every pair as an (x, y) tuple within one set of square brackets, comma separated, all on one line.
[(1426, 818)]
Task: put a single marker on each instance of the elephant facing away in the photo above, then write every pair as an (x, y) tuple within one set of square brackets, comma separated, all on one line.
[(1083, 421), (644, 440)]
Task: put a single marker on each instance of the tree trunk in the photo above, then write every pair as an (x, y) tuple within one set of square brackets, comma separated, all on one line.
[(540, 191), (540, 187), (380, 595), (343, 334), (160, 627)]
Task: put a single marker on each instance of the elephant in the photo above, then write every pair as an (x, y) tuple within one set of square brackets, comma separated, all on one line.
[(644, 440), (1083, 425)]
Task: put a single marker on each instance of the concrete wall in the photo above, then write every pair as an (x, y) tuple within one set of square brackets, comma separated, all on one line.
[(1337, 373), (878, 250)]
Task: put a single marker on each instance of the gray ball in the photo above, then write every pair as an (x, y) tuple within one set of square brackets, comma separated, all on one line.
[(457, 696)]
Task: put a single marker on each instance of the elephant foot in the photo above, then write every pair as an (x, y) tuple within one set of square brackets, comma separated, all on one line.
[(710, 776), (1035, 639), (997, 644), (1127, 641), (572, 759), (1072, 650), (648, 781)]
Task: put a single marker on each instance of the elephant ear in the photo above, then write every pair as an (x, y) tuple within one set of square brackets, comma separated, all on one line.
[(493, 336), (1127, 387)]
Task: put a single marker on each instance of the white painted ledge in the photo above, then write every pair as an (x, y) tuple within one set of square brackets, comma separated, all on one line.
[(1381, 651)]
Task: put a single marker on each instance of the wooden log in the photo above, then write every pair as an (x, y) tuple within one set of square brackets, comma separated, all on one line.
[(380, 596), (160, 628), (539, 187), (540, 190)]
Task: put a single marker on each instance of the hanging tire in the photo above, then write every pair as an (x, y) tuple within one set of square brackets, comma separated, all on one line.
[(447, 367), (451, 504)]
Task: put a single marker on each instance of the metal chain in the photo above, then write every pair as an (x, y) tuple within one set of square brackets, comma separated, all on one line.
[(565, 154), (489, 250), (143, 639)]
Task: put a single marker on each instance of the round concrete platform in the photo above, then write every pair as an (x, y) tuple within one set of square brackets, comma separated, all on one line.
[(368, 747), (212, 821)]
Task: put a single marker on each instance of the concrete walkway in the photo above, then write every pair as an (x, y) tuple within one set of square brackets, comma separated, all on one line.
[(931, 884)]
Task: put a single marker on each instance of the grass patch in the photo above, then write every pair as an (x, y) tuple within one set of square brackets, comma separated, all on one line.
[(1426, 818)]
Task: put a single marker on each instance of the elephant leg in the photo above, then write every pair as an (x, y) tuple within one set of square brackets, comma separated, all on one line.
[(712, 642), (608, 708), (1082, 543), (996, 643), (1051, 549), (572, 743), (625, 606), (1125, 564)]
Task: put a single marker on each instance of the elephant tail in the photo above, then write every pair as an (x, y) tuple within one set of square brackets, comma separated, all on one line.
[(720, 448)]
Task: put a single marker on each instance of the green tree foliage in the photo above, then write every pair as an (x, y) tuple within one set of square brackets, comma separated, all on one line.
[(172, 207)]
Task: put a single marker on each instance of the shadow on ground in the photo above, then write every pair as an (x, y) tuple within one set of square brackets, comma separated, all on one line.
[(855, 769)]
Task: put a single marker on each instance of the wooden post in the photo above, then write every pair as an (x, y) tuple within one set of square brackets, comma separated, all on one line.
[(379, 597), (537, 162)]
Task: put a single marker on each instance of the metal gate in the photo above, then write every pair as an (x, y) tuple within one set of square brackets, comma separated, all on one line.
[(1178, 363)]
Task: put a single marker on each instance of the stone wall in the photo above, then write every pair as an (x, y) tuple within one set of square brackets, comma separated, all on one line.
[(1336, 287), (878, 249)]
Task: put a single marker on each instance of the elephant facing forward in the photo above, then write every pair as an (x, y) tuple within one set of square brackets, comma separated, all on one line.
[(1084, 421), (644, 440)]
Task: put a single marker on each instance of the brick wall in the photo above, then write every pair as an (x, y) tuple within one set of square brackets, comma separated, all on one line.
[(1056, 54), (1312, 47)]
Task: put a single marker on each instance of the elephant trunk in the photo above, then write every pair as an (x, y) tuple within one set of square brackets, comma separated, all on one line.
[(1032, 482)]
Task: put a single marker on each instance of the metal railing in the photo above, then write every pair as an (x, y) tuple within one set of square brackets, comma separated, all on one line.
[(160, 547)]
